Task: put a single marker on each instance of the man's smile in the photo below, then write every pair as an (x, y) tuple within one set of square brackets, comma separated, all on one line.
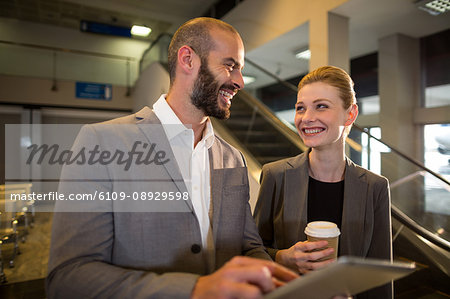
[(226, 96)]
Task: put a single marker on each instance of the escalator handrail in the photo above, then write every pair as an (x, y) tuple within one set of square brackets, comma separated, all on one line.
[(283, 127), (152, 44), (403, 155), (268, 73), (417, 228)]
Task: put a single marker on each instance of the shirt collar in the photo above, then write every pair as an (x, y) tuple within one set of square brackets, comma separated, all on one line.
[(208, 134), (170, 121), (175, 127)]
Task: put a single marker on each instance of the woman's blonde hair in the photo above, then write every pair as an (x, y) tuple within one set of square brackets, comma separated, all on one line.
[(335, 77)]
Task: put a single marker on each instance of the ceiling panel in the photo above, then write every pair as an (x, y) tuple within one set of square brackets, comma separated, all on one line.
[(157, 14)]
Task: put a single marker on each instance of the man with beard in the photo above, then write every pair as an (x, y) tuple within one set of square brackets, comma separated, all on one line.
[(168, 253)]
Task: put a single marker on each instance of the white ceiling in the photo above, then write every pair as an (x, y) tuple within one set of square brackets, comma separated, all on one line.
[(369, 21)]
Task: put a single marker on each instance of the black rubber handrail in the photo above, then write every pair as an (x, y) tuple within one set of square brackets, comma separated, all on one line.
[(290, 133), (403, 155), (418, 229)]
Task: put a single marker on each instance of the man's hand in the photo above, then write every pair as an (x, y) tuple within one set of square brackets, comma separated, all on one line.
[(242, 277), (301, 258)]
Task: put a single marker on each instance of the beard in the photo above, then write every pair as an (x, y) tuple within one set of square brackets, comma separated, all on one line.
[(205, 94)]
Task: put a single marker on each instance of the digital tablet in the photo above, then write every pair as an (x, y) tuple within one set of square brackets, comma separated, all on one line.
[(348, 276)]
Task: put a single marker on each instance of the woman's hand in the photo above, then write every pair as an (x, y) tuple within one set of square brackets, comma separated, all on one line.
[(301, 257)]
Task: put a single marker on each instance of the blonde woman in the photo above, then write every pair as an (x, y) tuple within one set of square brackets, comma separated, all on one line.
[(324, 184)]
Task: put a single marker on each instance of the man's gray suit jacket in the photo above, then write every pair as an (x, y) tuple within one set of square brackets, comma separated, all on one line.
[(145, 254)]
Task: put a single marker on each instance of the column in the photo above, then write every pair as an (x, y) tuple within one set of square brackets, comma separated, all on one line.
[(329, 40), (400, 92)]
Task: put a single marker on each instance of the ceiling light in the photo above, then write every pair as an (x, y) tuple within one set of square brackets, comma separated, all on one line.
[(434, 7), (140, 30), (303, 54), (248, 79)]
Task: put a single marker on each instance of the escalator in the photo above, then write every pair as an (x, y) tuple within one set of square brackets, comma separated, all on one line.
[(261, 132), (420, 197)]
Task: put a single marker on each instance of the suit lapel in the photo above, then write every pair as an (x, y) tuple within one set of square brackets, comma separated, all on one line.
[(216, 183), (295, 204), (355, 190), (151, 127)]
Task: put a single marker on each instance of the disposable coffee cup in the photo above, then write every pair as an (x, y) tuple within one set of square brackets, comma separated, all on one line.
[(324, 230)]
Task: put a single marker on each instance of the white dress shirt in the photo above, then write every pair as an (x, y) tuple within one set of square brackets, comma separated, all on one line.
[(193, 164)]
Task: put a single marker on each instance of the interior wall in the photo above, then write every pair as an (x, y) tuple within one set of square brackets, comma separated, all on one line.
[(27, 73), (110, 66), (60, 37), (36, 91)]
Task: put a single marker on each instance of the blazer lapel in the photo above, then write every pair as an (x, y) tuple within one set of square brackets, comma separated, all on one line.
[(151, 127), (295, 204), (355, 190), (216, 183)]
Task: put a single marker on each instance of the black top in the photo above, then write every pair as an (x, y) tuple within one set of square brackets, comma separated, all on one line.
[(325, 201)]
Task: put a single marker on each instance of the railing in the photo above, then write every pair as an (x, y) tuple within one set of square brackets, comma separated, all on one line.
[(157, 51), (278, 123), (420, 196), (55, 63)]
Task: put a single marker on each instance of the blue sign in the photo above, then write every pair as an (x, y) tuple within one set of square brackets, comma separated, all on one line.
[(88, 26), (94, 91)]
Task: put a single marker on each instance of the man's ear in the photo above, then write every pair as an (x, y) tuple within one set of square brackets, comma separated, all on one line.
[(352, 114), (186, 59)]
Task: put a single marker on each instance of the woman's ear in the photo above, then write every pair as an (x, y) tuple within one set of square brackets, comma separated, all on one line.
[(186, 58), (352, 114)]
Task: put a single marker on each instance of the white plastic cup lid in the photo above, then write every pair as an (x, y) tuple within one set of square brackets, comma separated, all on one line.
[(322, 229)]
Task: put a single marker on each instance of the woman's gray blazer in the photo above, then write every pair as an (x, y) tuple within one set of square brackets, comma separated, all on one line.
[(281, 211)]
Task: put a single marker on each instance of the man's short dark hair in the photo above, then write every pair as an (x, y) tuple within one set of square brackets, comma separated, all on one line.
[(194, 33)]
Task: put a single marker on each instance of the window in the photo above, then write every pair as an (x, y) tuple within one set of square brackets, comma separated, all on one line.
[(437, 158), (371, 150)]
